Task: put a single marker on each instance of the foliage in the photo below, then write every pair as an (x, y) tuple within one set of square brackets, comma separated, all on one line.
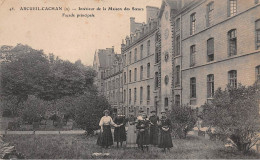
[(89, 110), (26, 71), (33, 109), (183, 119), (234, 112), (22, 71)]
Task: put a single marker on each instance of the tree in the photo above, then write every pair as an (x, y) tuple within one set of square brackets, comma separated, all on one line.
[(234, 113), (22, 71), (183, 119), (89, 110)]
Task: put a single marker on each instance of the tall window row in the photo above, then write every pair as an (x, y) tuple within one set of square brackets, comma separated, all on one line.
[(128, 60), (148, 95)]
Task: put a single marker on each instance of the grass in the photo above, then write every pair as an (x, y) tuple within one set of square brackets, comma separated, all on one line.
[(81, 147)]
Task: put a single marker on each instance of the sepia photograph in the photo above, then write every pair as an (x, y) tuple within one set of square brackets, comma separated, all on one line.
[(129, 80)]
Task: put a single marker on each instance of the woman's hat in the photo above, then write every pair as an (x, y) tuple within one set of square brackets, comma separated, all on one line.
[(106, 111)]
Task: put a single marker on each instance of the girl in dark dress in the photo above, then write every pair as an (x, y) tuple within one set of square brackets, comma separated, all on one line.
[(120, 133), (154, 119), (143, 138), (165, 132), (105, 139)]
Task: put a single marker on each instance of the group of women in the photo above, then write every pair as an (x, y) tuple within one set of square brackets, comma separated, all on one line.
[(138, 131)]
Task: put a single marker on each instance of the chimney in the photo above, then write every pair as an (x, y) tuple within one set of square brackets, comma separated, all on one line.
[(132, 25)]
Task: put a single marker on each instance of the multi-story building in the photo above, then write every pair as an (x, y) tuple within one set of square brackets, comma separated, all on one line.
[(185, 51), (109, 78), (217, 43), (139, 63)]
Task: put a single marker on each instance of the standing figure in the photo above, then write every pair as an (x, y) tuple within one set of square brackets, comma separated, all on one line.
[(120, 133), (131, 132), (154, 119), (143, 138), (105, 123), (165, 132)]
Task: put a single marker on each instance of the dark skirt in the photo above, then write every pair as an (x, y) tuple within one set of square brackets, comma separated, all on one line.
[(165, 139), (143, 138), (120, 134), (105, 139), (154, 135)]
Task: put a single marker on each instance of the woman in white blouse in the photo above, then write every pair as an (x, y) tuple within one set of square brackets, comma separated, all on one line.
[(105, 123)]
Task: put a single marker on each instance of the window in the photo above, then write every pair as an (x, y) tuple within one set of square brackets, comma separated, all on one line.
[(135, 54), (192, 55), (210, 49), (257, 33), (135, 95), (193, 87), (192, 24), (178, 45), (166, 102), (232, 7), (177, 100), (141, 51), (129, 96), (148, 92), (130, 57), (141, 95), (232, 42), (130, 75), (210, 9), (148, 47), (232, 78), (258, 73), (125, 60), (141, 72), (177, 83), (125, 77), (124, 96), (178, 24), (156, 80), (135, 74), (210, 85), (156, 55), (148, 70)]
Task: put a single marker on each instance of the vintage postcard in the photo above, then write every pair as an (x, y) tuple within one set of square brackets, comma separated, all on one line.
[(129, 79)]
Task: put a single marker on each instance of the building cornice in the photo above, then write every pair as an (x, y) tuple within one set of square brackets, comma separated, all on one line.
[(139, 40)]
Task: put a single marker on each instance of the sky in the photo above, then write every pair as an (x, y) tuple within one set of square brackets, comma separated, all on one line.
[(70, 38)]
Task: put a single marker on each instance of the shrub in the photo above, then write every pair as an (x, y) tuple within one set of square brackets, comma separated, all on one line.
[(89, 110), (183, 120), (33, 109), (234, 112)]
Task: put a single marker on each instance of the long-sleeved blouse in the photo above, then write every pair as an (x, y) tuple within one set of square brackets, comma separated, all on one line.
[(106, 120)]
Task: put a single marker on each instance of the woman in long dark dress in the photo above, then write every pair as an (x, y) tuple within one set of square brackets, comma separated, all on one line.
[(120, 133), (154, 119), (143, 138), (105, 123), (165, 132)]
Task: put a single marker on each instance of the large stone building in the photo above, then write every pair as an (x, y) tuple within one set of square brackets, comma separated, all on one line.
[(109, 78), (139, 64), (217, 43), (186, 50)]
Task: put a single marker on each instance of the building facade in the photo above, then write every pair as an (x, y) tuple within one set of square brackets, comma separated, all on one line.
[(109, 78), (221, 50), (184, 52), (139, 64)]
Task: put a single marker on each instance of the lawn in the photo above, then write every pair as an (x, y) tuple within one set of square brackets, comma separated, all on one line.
[(82, 147)]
